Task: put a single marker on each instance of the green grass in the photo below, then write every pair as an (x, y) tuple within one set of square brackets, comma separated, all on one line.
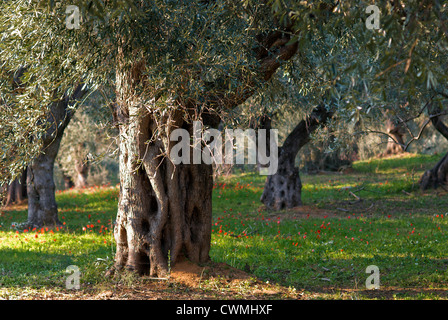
[(404, 164), (321, 251), (395, 227), (39, 258)]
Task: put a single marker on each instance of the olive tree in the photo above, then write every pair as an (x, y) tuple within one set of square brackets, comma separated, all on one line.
[(171, 63)]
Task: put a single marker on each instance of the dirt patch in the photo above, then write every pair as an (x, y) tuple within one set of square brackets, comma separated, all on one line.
[(307, 211), (23, 206), (193, 275), (336, 209), (385, 293), (212, 281), (228, 280), (187, 281), (304, 212)]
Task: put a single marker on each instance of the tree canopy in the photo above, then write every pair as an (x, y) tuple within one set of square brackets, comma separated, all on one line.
[(196, 51), (202, 53)]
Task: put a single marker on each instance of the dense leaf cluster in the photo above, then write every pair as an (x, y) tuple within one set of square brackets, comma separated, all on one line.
[(198, 53)]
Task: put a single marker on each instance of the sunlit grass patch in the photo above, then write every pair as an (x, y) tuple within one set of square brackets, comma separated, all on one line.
[(406, 164), (403, 233), (38, 258)]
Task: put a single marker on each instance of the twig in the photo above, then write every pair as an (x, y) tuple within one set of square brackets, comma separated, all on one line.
[(384, 133), (389, 68), (429, 102), (408, 62), (358, 198), (419, 134)]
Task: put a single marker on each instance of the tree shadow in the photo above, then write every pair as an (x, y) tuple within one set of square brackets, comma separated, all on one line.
[(21, 268)]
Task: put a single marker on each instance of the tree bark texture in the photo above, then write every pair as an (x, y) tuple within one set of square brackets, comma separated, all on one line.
[(164, 210), (81, 168), (283, 189), (438, 175), (42, 206), (396, 142)]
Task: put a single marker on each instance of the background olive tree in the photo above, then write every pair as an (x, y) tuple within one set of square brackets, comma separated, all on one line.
[(88, 155)]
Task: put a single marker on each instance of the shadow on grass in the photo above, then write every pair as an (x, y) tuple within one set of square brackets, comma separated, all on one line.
[(408, 204), (22, 268)]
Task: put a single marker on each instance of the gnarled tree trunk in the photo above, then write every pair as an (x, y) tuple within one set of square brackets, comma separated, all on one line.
[(283, 189), (164, 210), (438, 175), (395, 142)]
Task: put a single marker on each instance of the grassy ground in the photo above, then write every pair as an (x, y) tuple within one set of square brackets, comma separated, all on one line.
[(373, 214)]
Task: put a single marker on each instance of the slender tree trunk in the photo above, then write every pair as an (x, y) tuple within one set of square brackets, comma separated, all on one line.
[(164, 210), (283, 189), (68, 182), (395, 145), (264, 122), (438, 175), (42, 206), (81, 168), (16, 191)]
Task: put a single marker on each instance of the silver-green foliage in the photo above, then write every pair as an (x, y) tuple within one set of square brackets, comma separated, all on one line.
[(188, 47), (191, 49)]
